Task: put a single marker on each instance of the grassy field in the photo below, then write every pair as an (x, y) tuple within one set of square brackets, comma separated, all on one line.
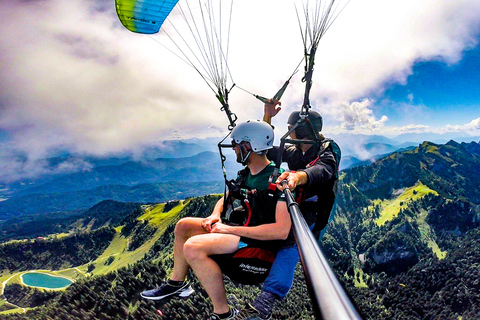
[(117, 254), (428, 236), (391, 208)]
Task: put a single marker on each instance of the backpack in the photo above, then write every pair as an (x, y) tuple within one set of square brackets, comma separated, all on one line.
[(337, 153), (327, 198), (328, 143)]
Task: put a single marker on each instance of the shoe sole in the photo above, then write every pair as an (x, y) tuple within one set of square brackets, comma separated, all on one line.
[(183, 294), (187, 292)]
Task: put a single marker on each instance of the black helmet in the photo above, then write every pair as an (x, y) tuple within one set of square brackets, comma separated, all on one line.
[(304, 130)]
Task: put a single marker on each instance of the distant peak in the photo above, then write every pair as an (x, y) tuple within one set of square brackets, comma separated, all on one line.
[(426, 144), (452, 143)]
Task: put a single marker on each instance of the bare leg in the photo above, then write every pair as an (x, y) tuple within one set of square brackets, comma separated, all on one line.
[(184, 229), (198, 250)]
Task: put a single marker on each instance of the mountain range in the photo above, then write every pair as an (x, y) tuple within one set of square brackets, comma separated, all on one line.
[(404, 241), (156, 180), (67, 183)]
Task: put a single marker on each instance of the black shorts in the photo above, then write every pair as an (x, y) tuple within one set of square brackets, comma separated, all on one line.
[(248, 265)]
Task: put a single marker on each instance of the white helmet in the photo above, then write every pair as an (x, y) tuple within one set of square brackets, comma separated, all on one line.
[(258, 133)]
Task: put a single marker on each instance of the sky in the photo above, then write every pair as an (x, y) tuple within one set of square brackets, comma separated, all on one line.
[(74, 79)]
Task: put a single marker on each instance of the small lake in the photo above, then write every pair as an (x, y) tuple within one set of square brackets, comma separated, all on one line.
[(43, 280)]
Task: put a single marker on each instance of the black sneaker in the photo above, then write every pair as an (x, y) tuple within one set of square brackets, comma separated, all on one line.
[(250, 313), (231, 316), (167, 290)]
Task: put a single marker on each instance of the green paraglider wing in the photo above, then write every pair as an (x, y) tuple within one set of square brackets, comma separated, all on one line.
[(144, 16)]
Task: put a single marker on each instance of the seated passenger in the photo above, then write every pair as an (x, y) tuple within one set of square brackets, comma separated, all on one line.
[(198, 241)]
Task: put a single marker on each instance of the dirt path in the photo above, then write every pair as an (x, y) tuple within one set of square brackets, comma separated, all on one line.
[(2, 288)]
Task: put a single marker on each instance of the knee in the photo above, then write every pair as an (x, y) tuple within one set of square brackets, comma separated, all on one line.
[(184, 227), (193, 250), (278, 287)]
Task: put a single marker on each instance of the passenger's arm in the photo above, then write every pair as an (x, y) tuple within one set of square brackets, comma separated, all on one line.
[(214, 217), (278, 230), (322, 170)]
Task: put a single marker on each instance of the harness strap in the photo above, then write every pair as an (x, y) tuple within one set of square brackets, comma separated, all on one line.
[(249, 209)]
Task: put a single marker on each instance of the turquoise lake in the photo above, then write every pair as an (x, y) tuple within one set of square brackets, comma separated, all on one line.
[(46, 281)]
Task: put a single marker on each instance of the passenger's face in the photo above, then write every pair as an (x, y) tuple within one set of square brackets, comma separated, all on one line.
[(238, 150), (292, 134)]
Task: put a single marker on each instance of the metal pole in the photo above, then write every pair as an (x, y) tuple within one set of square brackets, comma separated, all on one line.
[(329, 299)]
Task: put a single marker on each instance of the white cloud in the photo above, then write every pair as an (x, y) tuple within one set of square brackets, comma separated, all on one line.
[(73, 78), (473, 126), (412, 128), (16, 166), (358, 115)]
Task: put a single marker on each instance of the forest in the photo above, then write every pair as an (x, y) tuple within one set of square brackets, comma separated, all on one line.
[(54, 253)]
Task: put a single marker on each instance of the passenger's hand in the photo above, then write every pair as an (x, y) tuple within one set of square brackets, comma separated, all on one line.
[(221, 228), (294, 179), (208, 222)]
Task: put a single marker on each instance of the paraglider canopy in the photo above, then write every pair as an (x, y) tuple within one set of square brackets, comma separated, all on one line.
[(143, 16), (199, 31)]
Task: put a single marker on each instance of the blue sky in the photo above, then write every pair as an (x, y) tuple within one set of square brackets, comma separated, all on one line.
[(74, 79), (449, 91)]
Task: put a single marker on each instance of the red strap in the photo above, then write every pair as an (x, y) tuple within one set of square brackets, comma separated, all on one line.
[(313, 162), (249, 212), (259, 253), (301, 195)]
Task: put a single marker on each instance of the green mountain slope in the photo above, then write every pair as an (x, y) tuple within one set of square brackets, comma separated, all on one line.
[(403, 217), (449, 169)]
